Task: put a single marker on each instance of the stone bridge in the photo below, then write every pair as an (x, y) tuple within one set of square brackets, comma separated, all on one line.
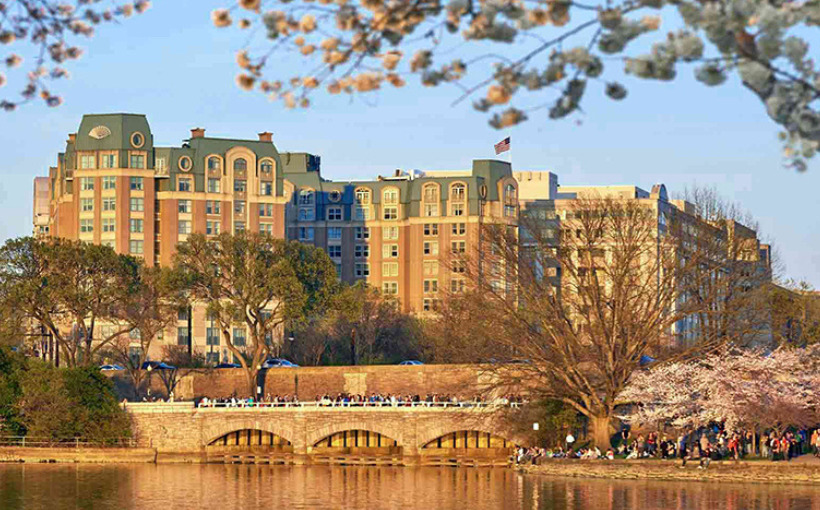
[(314, 434)]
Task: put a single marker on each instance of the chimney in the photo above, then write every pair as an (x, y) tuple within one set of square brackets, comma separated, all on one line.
[(198, 133), (72, 137), (266, 137)]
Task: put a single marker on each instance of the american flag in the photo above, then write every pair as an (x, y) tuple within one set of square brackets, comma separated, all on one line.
[(502, 146)]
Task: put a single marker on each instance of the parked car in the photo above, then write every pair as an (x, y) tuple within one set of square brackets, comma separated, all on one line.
[(278, 363), (157, 365), (111, 367), (411, 362), (228, 365)]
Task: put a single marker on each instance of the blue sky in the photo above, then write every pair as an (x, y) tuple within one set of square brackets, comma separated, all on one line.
[(172, 65)]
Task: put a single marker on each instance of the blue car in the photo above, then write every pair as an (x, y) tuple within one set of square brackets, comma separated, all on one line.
[(111, 367), (157, 365), (411, 362), (278, 363)]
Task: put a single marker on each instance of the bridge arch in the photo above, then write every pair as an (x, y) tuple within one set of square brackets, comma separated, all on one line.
[(375, 428), (468, 440), (221, 428)]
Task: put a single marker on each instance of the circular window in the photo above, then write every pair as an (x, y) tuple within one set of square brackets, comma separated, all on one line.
[(185, 163), (137, 140), (335, 195), (483, 191)]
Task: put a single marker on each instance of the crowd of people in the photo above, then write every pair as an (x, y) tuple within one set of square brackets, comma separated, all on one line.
[(702, 446), (358, 400)]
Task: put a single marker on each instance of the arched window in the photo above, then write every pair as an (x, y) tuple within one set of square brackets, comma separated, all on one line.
[(363, 196), (430, 197), (266, 167), (458, 192), (214, 163), (306, 197), (510, 194), (240, 165)]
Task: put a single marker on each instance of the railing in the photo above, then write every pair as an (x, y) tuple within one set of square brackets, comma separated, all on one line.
[(47, 442), (332, 404)]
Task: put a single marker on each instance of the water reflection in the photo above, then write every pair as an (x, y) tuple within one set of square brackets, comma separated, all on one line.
[(202, 487)]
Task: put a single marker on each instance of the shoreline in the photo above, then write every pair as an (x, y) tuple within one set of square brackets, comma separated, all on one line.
[(763, 471)]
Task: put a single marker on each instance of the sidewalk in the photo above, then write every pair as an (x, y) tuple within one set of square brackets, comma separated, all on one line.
[(803, 470)]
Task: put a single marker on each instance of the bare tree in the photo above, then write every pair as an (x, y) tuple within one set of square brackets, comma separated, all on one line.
[(573, 307), (182, 364)]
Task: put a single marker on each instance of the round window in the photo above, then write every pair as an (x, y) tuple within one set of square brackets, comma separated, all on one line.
[(185, 163), (483, 191), (335, 195), (137, 140)]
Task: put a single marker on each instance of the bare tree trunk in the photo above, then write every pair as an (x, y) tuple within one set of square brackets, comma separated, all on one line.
[(602, 429)]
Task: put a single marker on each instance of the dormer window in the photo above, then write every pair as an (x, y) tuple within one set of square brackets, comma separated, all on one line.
[(240, 165), (214, 163)]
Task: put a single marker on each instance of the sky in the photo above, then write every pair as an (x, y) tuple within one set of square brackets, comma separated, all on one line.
[(172, 65)]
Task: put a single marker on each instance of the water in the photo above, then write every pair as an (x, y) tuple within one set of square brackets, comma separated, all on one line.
[(203, 487)]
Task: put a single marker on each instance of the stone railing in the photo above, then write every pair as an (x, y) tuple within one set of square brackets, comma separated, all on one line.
[(174, 407)]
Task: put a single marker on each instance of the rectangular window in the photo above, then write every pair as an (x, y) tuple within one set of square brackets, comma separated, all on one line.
[(266, 188), (87, 204), (184, 206), (390, 251), (87, 183), (390, 288), (109, 182), (390, 269), (391, 213), (239, 207), (456, 286), (306, 214), (212, 207), (391, 197), (135, 247), (214, 185), (362, 233), (239, 337), (182, 314), (87, 161), (362, 213), (136, 183), (266, 228), (108, 224), (161, 164), (362, 269), (334, 233), (390, 233), (431, 229), (211, 336), (184, 227), (266, 210), (182, 335), (137, 161), (431, 210), (429, 304), (136, 226), (87, 225), (306, 233), (458, 247), (457, 266), (334, 251), (240, 185), (430, 286), (334, 214), (430, 268), (239, 226), (184, 184), (108, 161), (212, 228), (431, 247), (459, 229), (109, 204), (509, 211), (457, 209), (361, 251)]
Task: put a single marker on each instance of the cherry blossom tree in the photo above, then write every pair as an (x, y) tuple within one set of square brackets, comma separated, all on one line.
[(743, 388), (48, 30), (514, 57)]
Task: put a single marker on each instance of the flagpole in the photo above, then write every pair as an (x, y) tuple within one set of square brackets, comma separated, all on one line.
[(510, 151)]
